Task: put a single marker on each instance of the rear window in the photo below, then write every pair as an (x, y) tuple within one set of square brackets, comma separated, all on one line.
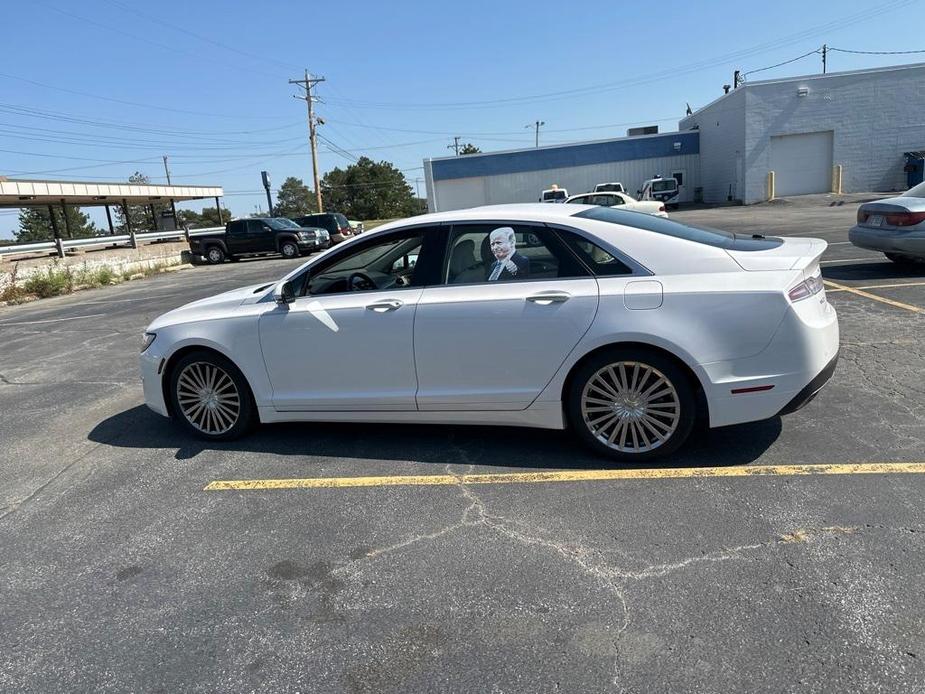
[(554, 195), (666, 184), (341, 220), (661, 225)]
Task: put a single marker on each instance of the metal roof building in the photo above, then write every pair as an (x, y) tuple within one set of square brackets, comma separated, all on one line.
[(520, 175), (15, 193)]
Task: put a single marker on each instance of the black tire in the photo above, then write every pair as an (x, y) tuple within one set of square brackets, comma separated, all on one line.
[(190, 376), (619, 436), (901, 259), (215, 255), (289, 249)]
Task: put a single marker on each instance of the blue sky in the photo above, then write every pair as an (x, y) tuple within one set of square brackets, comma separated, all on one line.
[(99, 89)]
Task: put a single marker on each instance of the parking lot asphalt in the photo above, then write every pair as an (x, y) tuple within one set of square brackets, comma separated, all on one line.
[(122, 572)]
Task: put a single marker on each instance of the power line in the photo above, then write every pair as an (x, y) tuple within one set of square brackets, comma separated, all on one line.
[(845, 50), (862, 16), (786, 62)]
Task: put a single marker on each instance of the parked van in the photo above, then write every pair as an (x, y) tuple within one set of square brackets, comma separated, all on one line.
[(664, 190), (554, 194), (615, 187)]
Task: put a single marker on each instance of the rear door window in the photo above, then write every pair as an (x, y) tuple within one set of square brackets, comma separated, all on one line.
[(504, 253)]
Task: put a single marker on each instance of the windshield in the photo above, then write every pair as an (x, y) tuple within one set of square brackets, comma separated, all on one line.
[(610, 188), (281, 223), (663, 185), (661, 225), (554, 195), (915, 191)]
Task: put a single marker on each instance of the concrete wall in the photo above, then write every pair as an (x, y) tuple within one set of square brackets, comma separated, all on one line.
[(875, 116), (722, 146)]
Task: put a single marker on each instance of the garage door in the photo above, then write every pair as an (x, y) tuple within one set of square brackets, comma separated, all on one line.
[(802, 163)]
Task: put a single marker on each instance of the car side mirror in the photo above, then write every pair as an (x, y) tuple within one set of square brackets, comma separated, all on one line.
[(284, 293)]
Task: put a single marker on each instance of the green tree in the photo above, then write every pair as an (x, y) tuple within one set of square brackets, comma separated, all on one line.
[(368, 190), (35, 224), (199, 220), (294, 199), (140, 215), (469, 148)]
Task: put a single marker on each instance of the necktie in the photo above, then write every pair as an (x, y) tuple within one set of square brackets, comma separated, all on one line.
[(495, 271)]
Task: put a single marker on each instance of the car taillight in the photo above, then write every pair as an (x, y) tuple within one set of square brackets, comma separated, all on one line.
[(661, 208), (893, 219), (904, 219), (806, 289)]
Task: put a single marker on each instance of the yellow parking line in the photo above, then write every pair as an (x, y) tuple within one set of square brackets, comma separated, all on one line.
[(868, 295), (885, 286), (568, 476)]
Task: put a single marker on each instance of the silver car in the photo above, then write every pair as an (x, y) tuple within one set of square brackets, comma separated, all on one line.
[(893, 226)]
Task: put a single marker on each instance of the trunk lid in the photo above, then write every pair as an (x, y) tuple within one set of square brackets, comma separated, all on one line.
[(790, 254)]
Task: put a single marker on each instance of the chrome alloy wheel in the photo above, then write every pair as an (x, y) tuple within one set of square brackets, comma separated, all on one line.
[(630, 407), (215, 255), (208, 398)]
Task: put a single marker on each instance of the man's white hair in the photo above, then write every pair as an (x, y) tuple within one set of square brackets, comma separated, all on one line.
[(508, 233)]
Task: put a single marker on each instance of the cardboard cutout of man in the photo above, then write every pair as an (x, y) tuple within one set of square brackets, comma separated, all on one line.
[(509, 264)]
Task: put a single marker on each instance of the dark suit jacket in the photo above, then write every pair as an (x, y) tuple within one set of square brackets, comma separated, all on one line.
[(523, 268)]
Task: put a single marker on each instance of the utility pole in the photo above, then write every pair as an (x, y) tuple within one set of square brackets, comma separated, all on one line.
[(455, 145), (824, 49), (536, 125), (307, 83), (173, 205)]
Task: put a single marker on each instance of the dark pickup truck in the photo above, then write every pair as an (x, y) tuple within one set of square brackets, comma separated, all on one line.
[(258, 236)]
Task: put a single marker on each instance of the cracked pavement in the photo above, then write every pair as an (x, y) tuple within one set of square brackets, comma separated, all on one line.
[(119, 573)]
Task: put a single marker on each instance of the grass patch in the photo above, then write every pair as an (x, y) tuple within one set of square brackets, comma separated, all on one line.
[(53, 282)]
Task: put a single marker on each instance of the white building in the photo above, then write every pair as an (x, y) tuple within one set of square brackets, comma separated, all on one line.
[(802, 127), (521, 175)]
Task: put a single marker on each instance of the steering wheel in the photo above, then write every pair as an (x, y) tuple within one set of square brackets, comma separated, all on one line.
[(360, 282)]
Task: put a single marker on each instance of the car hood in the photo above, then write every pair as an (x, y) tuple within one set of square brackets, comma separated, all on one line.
[(211, 307)]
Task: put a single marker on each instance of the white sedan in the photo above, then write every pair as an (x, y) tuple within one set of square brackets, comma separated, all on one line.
[(624, 327), (621, 200)]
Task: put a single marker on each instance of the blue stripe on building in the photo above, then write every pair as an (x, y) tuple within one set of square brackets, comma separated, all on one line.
[(567, 156)]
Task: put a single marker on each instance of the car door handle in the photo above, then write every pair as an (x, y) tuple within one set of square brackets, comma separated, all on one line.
[(385, 306), (548, 298)]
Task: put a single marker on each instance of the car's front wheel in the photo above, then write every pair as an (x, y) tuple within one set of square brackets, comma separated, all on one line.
[(210, 396), (631, 405), (289, 249), (215, 255)]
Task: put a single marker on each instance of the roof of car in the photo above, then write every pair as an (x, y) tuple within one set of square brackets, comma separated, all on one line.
[(527, 212)]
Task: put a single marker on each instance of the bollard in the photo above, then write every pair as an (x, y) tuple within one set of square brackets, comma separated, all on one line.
[(59, 244), (770, 186), (837, 179)]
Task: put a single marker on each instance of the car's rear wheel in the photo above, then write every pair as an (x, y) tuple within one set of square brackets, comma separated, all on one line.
[(210, 397), (289, 249), (901, 259), (215, 255), (631, 405)]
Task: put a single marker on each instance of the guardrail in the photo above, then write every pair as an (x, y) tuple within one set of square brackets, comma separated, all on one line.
[(130, 240)]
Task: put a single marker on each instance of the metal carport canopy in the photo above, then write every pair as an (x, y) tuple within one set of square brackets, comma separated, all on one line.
[(25, 193)]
